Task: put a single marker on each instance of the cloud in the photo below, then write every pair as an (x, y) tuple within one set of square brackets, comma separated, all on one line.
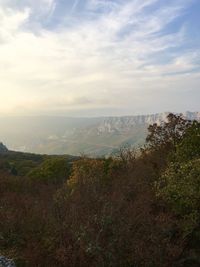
[(10, 22), (112, 50)]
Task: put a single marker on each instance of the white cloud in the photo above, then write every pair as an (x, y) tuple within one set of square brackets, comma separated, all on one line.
[(99, 58), (10, 22)]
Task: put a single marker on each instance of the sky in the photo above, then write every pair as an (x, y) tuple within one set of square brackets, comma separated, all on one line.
[(99, 57)]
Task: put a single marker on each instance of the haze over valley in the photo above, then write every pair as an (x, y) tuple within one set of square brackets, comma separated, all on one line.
[(100, 136)]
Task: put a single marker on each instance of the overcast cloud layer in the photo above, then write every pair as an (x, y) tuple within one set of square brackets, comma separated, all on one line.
[(99, 57)]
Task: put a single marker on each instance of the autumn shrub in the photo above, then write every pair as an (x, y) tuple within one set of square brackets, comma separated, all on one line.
[(107, 211)]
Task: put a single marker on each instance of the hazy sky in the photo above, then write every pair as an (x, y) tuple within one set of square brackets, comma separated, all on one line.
[(99, 57)]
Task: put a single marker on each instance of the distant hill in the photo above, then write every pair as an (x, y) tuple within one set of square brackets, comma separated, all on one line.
[(22, 164), (91, 136)]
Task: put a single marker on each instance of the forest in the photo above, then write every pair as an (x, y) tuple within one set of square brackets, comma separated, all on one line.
[(135, 209)]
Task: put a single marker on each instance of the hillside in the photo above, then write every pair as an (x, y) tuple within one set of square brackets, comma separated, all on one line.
[(90, 136), (123, 211), (24, 164)]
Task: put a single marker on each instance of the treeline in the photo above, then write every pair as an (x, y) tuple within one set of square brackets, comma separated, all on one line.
[(125, 211)]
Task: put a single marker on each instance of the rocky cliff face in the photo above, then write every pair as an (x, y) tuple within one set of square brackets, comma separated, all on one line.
[(126, 123), (192, 115)]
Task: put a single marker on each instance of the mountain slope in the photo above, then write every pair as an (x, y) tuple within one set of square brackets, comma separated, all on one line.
[(92, 136)]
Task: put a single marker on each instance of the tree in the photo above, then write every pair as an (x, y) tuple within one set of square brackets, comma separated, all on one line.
[(179, 186), (54, 170), (189, 147), (168, 134)]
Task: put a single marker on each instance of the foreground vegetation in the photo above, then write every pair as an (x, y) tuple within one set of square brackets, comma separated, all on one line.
[(125, 211)]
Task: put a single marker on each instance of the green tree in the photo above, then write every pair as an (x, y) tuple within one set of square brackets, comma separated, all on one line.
[(180, 187), (189, 147), (180, 184), (54, 170), (168, 134)]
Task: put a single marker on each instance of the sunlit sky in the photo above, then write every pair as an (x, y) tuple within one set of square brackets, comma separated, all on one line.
[(99, 57)]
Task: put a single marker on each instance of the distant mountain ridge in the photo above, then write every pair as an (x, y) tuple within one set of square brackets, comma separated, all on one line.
[(92, 136), (111, 124)]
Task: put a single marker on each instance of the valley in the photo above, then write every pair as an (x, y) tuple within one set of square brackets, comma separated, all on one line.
[(97, 137)]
